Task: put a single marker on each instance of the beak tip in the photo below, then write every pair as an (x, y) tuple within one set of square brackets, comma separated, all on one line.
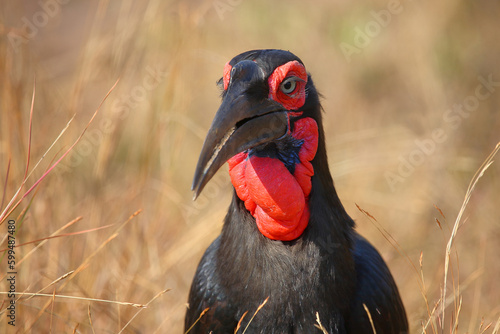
[(195, 189)]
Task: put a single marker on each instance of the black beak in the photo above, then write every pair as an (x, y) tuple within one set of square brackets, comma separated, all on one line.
[(241, 123)]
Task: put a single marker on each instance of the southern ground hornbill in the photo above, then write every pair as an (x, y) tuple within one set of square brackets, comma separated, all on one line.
[(286, 235)]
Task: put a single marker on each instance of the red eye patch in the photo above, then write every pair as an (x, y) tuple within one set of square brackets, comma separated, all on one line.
[(295, 99), (227, 75)]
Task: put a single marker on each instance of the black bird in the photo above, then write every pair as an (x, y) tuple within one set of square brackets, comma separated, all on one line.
[(286, 235)]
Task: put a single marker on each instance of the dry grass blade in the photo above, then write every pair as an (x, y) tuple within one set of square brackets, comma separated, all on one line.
[(85, 264), (61, 235), (476, 301), (36, 294), (114, 235), (145, 306), (370, 318), (365, 212), (51, 284), (239, 322), (5, 184), (389, 238), (30, 129), (77, 219), (52, 145), (194, 323), (454, 328), (472, 277), (440, 211), (319, 325), (479, 173), (496, 330), (419, 273), (9, 208), (3, 215), (52, 310), (393, 243), (42, 242), (424, 293), (90, 319), (431, 318), (256, 311), (438, 223), (481, 330)]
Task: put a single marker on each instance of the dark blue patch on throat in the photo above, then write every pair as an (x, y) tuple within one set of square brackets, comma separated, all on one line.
[(285, 149)]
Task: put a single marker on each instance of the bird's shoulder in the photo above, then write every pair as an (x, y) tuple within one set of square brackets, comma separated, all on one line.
[(376, 292), (208, 296)]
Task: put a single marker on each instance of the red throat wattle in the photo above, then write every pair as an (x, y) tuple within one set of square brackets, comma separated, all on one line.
[(277, 199)]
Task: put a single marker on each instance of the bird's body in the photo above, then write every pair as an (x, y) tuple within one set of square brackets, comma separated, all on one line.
[(286, 235)]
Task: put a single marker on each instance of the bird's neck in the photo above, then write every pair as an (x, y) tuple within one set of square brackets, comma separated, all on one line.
[(274, 181), (255, 267)]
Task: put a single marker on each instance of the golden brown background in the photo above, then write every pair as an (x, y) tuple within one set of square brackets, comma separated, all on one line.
[(392, 107)]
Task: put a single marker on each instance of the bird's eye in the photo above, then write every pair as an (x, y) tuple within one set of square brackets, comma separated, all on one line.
[(288, 85)]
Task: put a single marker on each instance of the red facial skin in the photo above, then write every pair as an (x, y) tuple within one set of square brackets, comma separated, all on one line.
[(227, 75), (295, 99), (277, 199)]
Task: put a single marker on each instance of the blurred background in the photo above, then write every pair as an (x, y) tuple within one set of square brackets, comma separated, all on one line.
[(411, 93)]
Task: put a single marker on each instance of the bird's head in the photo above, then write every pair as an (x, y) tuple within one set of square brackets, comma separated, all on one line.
[(265, 93), (267, 129)]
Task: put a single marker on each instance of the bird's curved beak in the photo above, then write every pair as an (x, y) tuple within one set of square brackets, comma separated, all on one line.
[(241, 123)]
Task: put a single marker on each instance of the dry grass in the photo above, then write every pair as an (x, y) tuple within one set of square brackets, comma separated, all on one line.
[(131, 170)]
